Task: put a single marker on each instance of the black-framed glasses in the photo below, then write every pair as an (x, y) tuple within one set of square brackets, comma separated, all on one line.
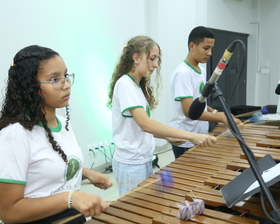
[(58, 82)]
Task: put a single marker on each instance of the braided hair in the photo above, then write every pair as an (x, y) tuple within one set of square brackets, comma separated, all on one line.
[(23, 102)]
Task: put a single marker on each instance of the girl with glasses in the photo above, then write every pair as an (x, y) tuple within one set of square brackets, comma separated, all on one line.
[(132, 97), (41, 162)]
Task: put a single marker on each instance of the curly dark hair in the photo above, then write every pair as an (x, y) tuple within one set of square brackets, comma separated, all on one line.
[(138, 45), (23, 102)]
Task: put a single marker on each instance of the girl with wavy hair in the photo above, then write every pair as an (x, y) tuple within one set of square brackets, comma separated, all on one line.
[(131, 98), (41, 162)]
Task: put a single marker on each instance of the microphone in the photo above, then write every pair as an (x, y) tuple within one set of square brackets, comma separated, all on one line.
[(198, 105)]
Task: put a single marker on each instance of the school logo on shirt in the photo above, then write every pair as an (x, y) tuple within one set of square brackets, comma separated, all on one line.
[(201, 86), (72, 168)]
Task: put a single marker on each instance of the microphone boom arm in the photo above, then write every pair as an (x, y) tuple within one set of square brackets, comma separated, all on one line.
[(249, 156)]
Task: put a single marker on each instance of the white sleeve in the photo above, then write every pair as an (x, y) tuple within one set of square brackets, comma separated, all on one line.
[(182, 86), (14, 153), (128, 97)]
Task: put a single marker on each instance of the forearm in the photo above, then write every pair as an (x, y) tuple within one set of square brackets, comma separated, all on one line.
[(163, 131), (214, 117), (87, 172), (207, 115), (31, 209), (161, 137), (210, 109), (97, 179)]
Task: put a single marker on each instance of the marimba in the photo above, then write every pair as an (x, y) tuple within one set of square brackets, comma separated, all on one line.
[(199, 173)]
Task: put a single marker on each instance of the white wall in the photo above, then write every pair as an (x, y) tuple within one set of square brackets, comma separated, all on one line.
[(170, 28), (269, 52), (90, 35), (237, 16)]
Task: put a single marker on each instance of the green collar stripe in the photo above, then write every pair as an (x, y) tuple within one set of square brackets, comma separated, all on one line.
[(129, 108), (133, 79), (56, 129), (13, 181), (192, 67)]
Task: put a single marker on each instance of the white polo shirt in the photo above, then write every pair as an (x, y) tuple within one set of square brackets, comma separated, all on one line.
[(27, 158), (132, 145), (187, 82)]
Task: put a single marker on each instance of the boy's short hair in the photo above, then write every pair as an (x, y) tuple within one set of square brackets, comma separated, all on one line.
[(198, 34)]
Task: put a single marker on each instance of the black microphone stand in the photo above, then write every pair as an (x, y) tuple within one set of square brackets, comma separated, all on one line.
[(217, 93)]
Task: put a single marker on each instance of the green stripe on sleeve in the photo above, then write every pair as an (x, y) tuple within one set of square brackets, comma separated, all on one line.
[(182, 97), (13, 181), (130, 109)]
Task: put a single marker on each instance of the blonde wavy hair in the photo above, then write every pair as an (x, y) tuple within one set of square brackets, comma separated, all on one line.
[(137, 45)]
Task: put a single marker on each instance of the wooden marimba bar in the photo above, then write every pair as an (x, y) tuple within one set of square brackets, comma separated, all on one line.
[(198, 173)]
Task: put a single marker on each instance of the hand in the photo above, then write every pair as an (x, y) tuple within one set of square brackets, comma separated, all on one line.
[(237, 121), (103, 183), (88, 204), (99, 180), (107, 183), (203, 140), (176, 141)]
